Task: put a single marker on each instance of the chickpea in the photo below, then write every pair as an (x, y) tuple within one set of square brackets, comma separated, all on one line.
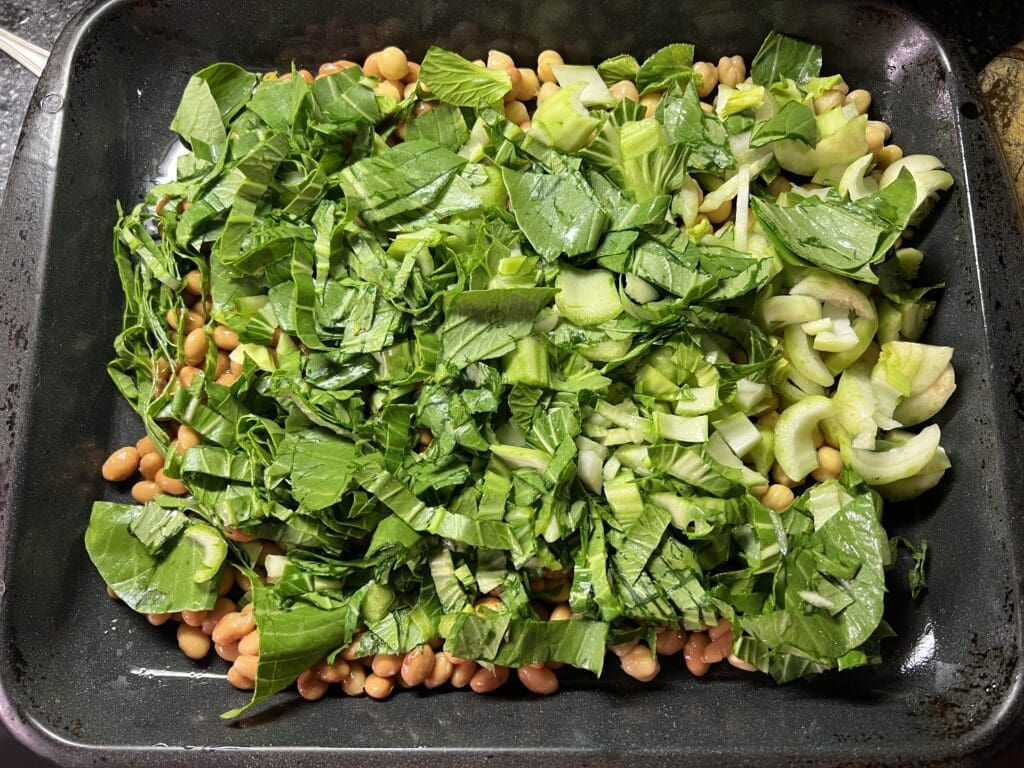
[(378, 687), (561, 612), (707, 107), (224, 337), (517, 82), (223, 364), (240, 681), (186, 374), (227, 652), (193, 320), (516, 112), (539, 680), (670, 641), (387, 664), (621, 649), (486, 605), (827, 101), (306, 75), (545, 63), (194, 282), (525, 126), (547, 90), (779, 185), (640, 663), (860, 99), (237, 367), (723, 627), (227, 581), (192, 642), (418, 663), (409, 90), (721, 214), (650, 101), (332, 673), (389, 89), (731, 70), (777, 497), (144, 491), (121, 464), (227, 379), (392, 63), (779, 475), (529, 84), (717, 649), (830, 464), (888, 155), (247, 666), (233, 627), (413, 75), (371, 66), (355, 681), (693, 653), (170, 485), (351, 652), (463, 674), (310, 687), (707, 78), (328, 68), (485, 681), (157, 619), (144, 446), (187, 438), (624, 89), (499, 60), (480, 63), (193, 618), (441, 671), (842, 87)]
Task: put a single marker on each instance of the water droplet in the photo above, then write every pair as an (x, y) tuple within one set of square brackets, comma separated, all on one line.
[(51, 103)]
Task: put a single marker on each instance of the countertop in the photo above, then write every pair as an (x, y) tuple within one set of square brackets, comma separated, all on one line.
[(985, 29)]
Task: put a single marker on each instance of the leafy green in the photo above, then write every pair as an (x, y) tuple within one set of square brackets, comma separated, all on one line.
[(794, 120), (462, 83), (616, 68), (665, 67), (782, 57), (559, 214)]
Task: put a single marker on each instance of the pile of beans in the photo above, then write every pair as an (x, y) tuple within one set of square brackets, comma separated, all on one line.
[(230, 631)]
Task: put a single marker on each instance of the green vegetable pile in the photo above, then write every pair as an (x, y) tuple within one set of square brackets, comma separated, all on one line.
[(478, 358)]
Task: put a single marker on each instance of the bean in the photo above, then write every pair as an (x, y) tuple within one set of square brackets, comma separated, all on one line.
[(240, 681), (721, 213), (547, 90), (121, 464), (707, 78), (227, 379), (195, 347), (455, 660), (737, 662), (462, 674), (350, 652), (194, 618), (640, 663), (186, 374), (310, 687), (436, 643), (499, 60), (621, 649), (830, 464), (624, 89), (526, 125), (693, 653), (718, 649), (390, 89), (409, 90), (247, 665), (378, 687), (192, 642), (158, 619), (387, 664), (827, 102), (187, 438), (355, 681), (233, 627), (392, 63), (413, 75), (227, 581), (777, 497), (193, 320), (539, 680), (194, 282), (731, 70), (150, 464), (561, 612), (332, 673), (250, 644), (371, 66), (485, 681), (227, 652), (440, 673), (220, 609), (170, 485), (670, 641), (888, 155), (144, 446), (306, 75), (225, 338), (144, 491), (486, 606), (237, 367), (817, 437), (545, 61), (779, 185), (517, 82), (417, 664), (876, 134)]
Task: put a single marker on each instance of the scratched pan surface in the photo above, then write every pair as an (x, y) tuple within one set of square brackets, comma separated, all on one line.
[(87, 682)]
